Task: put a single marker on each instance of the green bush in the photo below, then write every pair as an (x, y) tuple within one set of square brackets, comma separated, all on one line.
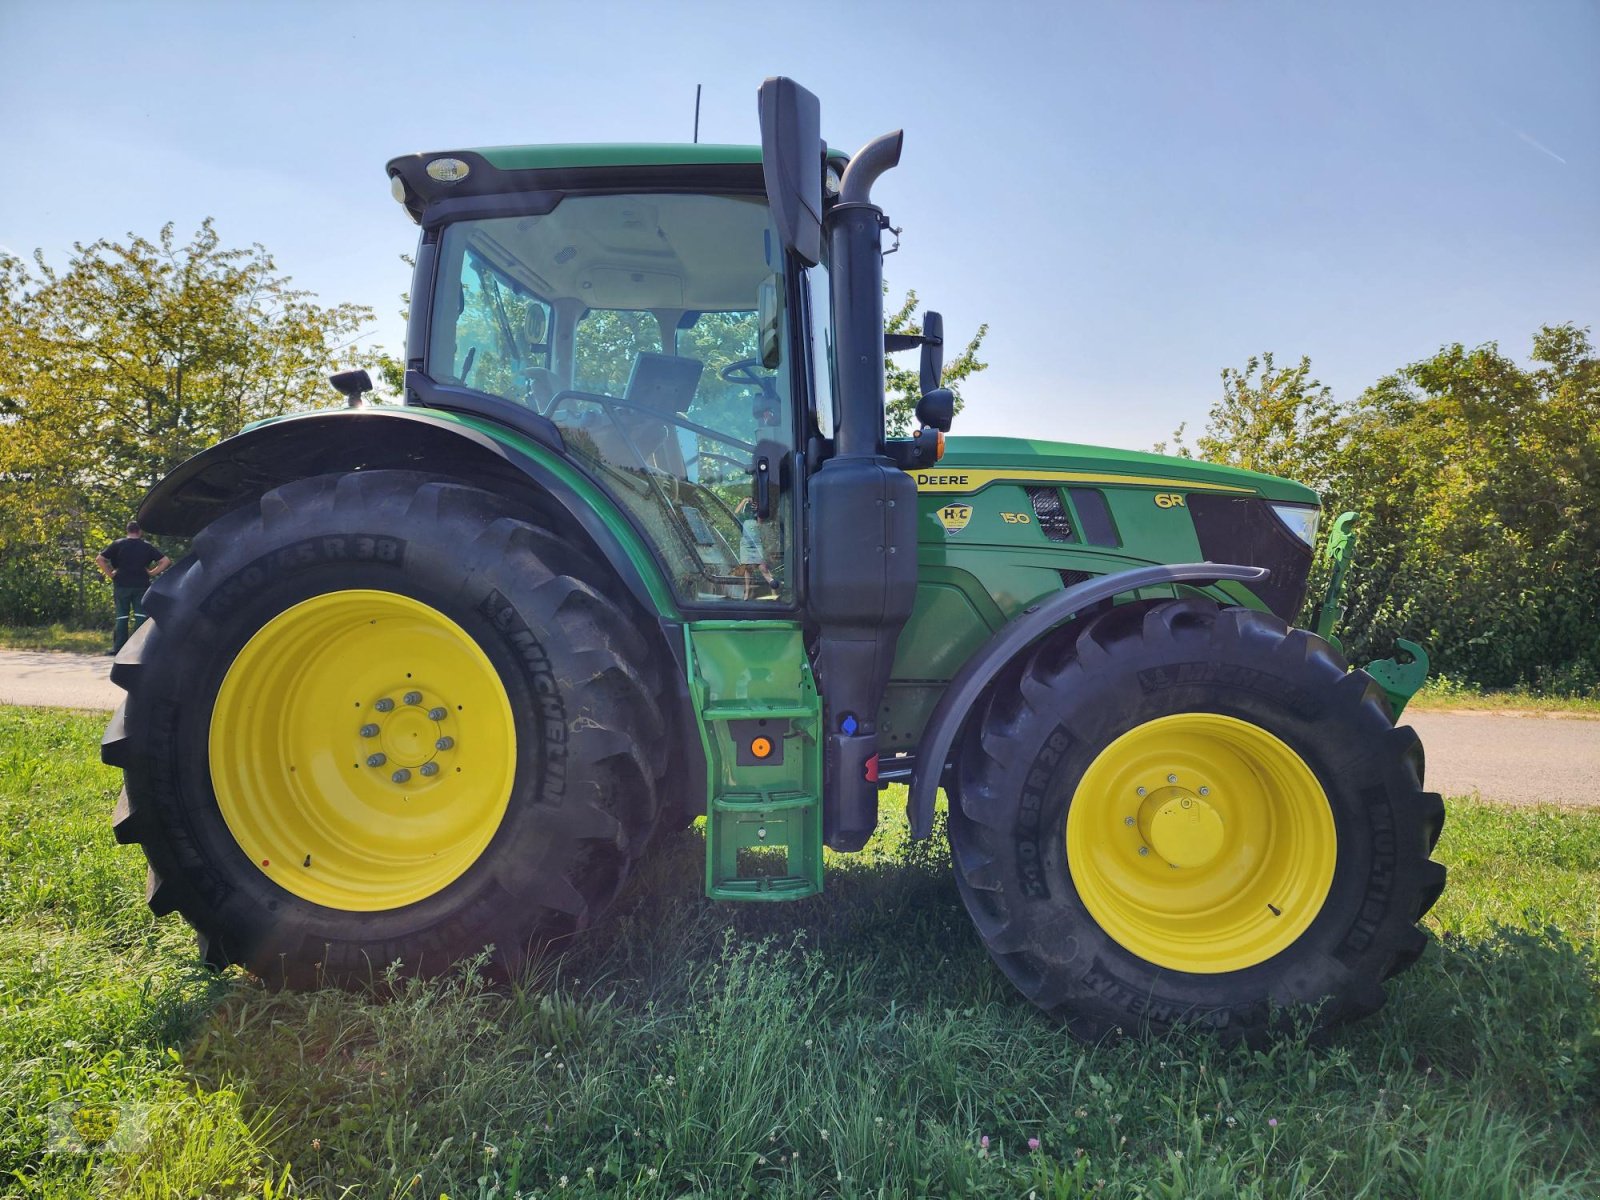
[(1477, 478), (38, 587)]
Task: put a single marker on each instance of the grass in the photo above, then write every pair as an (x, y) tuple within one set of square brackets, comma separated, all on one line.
[(56, 637), (1442, 694), (858, 1044)]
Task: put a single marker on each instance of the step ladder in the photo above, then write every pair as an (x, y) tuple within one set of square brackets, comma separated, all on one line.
[(760, 719)]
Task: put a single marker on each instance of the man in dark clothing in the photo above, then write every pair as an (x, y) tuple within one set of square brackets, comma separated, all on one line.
[(130, 563)]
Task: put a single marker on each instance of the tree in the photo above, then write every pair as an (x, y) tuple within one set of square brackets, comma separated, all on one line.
[(130, 360), (1479, 481), (903, 385)]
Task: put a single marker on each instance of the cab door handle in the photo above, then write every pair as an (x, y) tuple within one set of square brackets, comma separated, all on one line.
[(762, 487)]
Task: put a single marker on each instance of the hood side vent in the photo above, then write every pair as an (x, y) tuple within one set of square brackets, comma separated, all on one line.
[(1052, 514)]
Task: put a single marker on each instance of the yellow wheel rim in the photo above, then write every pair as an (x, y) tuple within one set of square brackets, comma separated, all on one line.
[(362, 750), (1201, 843)]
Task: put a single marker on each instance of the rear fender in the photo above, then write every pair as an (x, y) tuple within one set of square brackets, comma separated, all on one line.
[(1007, 644), (242, 468)]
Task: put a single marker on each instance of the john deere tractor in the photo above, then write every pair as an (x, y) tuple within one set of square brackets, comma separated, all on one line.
[(636, 549)]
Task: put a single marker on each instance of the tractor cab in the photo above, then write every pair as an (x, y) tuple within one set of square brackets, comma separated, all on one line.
[(649, 329)]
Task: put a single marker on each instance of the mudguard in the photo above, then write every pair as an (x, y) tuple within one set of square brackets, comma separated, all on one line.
[(523, 463), (981, 670)]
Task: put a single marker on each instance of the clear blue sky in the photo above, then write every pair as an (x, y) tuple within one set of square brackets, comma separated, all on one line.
[(1134, 195)]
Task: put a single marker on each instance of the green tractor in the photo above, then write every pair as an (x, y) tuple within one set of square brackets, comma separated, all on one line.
[(636, 549)]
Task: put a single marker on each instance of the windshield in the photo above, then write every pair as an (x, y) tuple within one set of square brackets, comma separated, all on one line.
[(650, 329)]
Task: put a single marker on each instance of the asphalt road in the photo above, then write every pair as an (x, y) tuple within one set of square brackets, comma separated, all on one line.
[(54, 679), (1512, 758)]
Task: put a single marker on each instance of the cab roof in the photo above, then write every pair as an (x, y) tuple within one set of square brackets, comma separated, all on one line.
[(641, 166)]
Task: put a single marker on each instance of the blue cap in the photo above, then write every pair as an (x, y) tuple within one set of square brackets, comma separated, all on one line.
[(848, 725)]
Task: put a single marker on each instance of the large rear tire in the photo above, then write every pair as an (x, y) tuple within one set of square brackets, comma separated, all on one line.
[(378, 717), (1193, 815)]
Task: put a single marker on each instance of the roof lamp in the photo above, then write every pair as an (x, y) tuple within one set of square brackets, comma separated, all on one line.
[(448, 170)]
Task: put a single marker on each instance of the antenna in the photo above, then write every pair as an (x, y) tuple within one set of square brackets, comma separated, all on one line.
[(697, 114)]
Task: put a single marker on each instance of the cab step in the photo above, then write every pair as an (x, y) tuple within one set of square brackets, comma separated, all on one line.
[(759, 716)]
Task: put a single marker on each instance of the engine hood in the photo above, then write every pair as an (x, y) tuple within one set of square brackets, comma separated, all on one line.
[(1045, 461)]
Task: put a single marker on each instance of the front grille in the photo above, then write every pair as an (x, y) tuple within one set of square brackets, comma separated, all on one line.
[(1248, 532)]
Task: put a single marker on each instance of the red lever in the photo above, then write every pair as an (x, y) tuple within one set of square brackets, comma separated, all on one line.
[(872, 769)]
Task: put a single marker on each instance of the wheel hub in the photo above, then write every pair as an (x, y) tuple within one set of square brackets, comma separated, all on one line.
[(1183, 828), (410, 736)]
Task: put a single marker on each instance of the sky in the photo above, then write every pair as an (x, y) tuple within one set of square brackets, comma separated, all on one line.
[(1132, 195)]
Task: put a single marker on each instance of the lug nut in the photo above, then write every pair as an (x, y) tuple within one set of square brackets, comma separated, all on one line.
[(444, 743), (1127, 820), (437, 714), (401, 775), (412, 698), (384, 705), (1172, 779), (376, 760), (369, 731), (1143, 850), (1141, 791), (429, 769), (1205, 791)]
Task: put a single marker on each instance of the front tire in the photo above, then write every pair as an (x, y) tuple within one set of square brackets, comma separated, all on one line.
[(378, 718), (1194, 815)]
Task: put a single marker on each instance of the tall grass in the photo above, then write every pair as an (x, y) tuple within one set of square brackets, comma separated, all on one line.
[(857, 1044)]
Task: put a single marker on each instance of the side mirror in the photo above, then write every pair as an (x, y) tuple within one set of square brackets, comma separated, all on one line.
[(937, 408), (769, 304), (352, 385), (932, 354), (792, 153)]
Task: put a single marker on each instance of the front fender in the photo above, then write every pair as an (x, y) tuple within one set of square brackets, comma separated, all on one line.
[(981, 670)]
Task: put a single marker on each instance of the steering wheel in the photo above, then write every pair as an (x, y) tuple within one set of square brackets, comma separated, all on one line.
[(750, 372), (745, 371)]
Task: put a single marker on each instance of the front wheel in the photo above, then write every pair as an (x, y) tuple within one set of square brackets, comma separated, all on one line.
[(1194, 815), (379, 718)]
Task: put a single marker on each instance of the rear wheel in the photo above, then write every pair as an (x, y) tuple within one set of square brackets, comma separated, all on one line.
[(379, 717), (1188, 814)]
